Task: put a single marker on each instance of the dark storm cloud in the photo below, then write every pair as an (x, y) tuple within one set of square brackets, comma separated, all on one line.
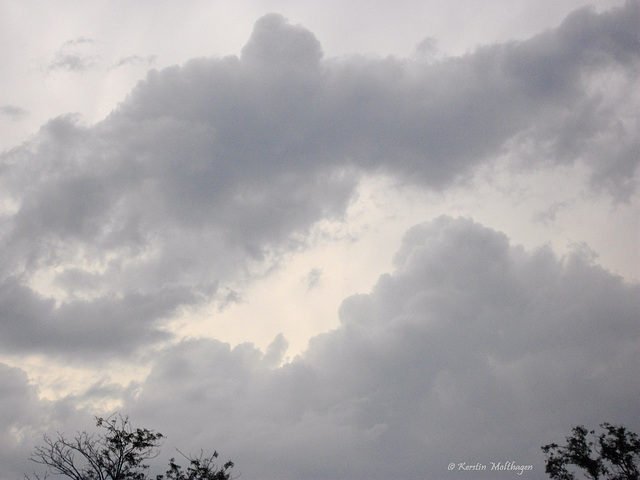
[(471, 350), (209, 171)]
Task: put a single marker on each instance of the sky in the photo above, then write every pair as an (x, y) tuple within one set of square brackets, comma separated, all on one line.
[(355, 240)]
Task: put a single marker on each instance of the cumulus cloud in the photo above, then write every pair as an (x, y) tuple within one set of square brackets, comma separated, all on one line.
[(471, 350), (208, 172)]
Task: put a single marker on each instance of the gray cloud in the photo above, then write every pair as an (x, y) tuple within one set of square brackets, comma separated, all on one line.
[(209, 171), (71, 62), (277, 46), (19, 413), (79, 41), (22, 416), (313, 278), (87, 327), (72, 56), (136, 60), (13, 112), (471, 350)]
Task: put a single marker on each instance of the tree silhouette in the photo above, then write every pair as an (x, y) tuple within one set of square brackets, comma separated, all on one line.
[(119, 452), (613, 455), (200, 468)]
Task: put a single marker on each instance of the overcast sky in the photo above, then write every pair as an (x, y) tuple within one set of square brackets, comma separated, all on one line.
[(327, 239)]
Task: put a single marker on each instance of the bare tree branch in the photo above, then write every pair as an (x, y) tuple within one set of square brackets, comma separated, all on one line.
[(119, 452)]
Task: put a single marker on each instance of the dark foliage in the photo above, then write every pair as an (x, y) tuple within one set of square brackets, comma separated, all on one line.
[(613, 455), (119, 452), (200, 468)]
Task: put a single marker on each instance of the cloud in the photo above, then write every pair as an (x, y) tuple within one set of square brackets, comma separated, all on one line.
[(427, 49), (79, 41), (277, 45), (18, 412), (22, 415), (13, 112), (472, 349), (25, 417), (550, 214), (207, 173), (313, 278), (91, 328), (71, 56), (136, 60), (71, 62)]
